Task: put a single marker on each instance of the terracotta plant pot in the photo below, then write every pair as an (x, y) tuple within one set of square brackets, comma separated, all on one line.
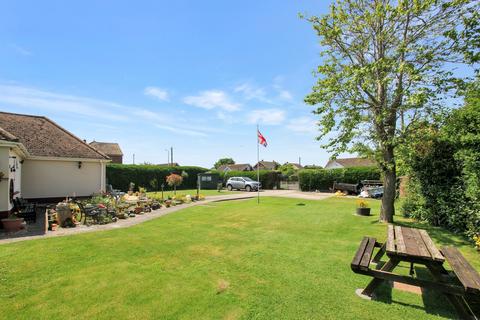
[(363, 211), (13, 225)]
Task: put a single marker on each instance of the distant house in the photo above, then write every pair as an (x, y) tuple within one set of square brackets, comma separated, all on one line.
[(266, 165), (296, 166), (41, 160), (235, 167), (111, 149), (174, 164), (349, 163)]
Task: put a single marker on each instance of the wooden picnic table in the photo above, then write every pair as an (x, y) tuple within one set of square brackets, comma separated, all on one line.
[(415, 246)]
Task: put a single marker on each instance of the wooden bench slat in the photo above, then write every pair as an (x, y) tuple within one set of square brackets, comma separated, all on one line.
[(367, 255), (359, 254), (464, 271), (390, 239), (401, 249), (420, 247), (362, 257), (432, 248)]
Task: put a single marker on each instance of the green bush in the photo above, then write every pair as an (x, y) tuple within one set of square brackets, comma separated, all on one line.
[(149, 176), (269, 179), (444, 184), (323, 179)]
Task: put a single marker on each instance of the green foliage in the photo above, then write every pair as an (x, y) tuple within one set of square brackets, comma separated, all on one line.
[(323, 179), (269, 179), (287, 169), (120, 175), (384, 66), (222, 162), (444, 188)]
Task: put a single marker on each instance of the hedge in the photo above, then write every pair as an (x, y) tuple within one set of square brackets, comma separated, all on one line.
[(270, 179), (120, 176), (323, 179)]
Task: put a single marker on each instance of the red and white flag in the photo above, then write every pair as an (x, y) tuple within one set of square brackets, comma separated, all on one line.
[(261, 139)]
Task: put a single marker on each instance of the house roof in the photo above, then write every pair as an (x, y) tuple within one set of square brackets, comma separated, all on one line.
[(42, 137), (108, 148), (175, 164), (353, 162), (295, 165), (269, 165), (235, 167)]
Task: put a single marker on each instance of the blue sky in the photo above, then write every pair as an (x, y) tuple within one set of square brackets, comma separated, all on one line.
[(195, 75)]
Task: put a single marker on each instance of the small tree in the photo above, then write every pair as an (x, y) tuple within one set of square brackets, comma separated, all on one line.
[(174, 180), (223, 161), (386, 64)]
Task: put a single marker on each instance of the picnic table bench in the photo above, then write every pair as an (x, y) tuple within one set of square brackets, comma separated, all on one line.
[(415, 246)]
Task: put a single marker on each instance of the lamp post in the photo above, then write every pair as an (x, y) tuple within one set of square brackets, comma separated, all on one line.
[(168, 156)]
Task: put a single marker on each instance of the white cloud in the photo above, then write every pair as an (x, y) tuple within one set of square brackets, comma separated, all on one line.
[(267, 116), (40, 99), (251, 92), (93, 109), (212, 99), (20, 50), (303, 125), (182, 130), (285, 95), (157, 93)]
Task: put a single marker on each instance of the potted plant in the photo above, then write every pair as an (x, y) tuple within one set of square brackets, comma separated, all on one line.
[(13, 223), (476, 238), (362, 208), (174, 180)]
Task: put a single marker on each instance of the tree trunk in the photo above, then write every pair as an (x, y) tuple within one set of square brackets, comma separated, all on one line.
[(388, 199), (389, 187)]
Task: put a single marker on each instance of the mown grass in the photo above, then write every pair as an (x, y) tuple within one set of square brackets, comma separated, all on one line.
[(282, 259), (191, 192)]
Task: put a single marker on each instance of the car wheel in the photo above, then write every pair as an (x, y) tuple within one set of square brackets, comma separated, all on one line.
[(248, 188), (229, 187)]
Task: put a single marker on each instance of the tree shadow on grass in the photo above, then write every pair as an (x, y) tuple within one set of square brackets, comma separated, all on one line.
[(434, 303)]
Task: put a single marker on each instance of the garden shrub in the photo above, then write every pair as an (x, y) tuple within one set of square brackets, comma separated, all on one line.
[(120, 176), (323, 179), (444, 184)]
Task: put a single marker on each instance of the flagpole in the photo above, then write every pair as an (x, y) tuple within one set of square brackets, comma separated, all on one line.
[(258, 167)]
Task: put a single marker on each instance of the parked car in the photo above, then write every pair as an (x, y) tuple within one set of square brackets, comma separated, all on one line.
[(242, 183)]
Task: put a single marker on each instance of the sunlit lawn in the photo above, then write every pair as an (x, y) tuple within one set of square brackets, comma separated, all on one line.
[(282, 259), (192, 192)]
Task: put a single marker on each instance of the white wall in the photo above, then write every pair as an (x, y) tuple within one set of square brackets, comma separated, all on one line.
[(4, 186), (58, 178), (333, 165)]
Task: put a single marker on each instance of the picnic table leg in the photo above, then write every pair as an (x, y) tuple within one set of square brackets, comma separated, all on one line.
[(458, 302), (389, 266), (380, 253)]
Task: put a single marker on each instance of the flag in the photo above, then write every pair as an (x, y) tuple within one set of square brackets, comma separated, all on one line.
[(261, 139)]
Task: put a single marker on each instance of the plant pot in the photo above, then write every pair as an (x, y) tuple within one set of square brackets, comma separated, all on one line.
[(363, 211), (54, 227), (13, 225)]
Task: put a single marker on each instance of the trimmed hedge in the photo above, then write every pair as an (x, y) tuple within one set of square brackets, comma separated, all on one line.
[(323, 179), (120, 176), (269, 179)]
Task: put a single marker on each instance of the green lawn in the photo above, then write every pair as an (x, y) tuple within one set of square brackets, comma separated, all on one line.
[(282, 259), (192, 192)]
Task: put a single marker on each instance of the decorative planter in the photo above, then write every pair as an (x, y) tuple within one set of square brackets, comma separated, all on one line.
[(13, 225), (54, 227), (363, 211)]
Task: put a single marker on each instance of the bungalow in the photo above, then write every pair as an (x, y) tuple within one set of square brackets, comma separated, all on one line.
[(235, 167), (267, 165), (39, 160), (349, 163), (111, 149)]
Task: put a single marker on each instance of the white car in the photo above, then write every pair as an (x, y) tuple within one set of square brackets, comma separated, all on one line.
[(242, 183)]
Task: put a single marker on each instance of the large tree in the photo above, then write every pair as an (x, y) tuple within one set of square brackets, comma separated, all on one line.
[(223, 161), (385, 65)]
